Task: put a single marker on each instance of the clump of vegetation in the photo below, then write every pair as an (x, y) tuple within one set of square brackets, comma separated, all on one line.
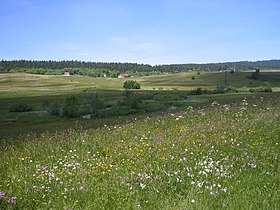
[(131, 99), (71, 106), (197, 91), (93, 104), (45, 104), (131, 84), (20, 107), (218, 90), (223, 89), (261, 89), (54, 109), (169, 96), (256, 74)]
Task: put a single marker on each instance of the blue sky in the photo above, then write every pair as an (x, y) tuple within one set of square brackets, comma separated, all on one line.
[(140, 31)]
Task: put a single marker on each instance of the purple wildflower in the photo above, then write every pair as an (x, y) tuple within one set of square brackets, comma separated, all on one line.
[(2, 195), (12, 200)]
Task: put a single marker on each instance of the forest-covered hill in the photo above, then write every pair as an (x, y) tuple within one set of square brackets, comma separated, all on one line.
[(112, 68)]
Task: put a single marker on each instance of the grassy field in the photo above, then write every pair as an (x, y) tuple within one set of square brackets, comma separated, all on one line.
[(216, 151), (35, 89), (219, 156), (18, 85)]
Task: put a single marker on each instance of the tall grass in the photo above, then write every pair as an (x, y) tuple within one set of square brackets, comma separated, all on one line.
[(224, 156)]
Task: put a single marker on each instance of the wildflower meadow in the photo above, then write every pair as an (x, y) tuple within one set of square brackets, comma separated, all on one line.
[(220, 156)]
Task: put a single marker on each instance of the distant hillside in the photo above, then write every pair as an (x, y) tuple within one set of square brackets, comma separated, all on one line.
[(112, 69)]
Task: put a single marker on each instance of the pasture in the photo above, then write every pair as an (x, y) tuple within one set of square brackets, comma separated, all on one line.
[(170, 90), (219, 156), (213, 152)]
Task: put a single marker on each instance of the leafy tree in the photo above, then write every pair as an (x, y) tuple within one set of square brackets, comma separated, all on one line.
[(54, 109), (131, 84), (45, 104), (256, 74), (131, 99), (70, 108), (93, 103)]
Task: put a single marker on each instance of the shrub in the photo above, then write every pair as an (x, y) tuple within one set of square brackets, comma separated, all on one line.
[(131, 100), (45, 104), (197, 91), (230, 89), (220, 89), (267, 89), (54, 109), (131, 84), (261, 89), (70, 108), (256, 74), (20, 107), (93, 104), (169, 97)]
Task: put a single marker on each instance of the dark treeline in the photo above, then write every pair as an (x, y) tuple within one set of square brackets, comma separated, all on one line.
[(112, 69), (238, 66)]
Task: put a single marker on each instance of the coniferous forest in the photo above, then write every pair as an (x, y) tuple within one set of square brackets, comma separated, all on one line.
[(112, 69)]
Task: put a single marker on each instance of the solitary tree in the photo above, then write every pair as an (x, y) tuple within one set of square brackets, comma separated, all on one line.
[(70, 108), (256, 74), (131, 84), (93, 103), (132, 99)]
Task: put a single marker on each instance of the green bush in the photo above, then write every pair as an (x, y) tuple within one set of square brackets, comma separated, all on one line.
[(20, 107), (132, 100), (230, 89), (220, 89), (45, 105), (197, 91), (131, 84), (261, 89), (256, 75), (169, 97), (70, 108), (54, 109)]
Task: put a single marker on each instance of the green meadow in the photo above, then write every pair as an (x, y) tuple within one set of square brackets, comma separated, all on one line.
[(214, 151), (171, 89)]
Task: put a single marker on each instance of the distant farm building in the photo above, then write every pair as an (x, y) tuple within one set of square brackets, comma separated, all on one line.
[(66, 74), (123, 75)]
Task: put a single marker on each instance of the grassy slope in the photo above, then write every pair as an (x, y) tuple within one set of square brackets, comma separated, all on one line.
[(17, 85), (34, 89), (224, 156)]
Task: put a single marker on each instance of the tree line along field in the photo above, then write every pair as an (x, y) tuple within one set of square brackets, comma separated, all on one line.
[(169, 90), (217, 156)]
